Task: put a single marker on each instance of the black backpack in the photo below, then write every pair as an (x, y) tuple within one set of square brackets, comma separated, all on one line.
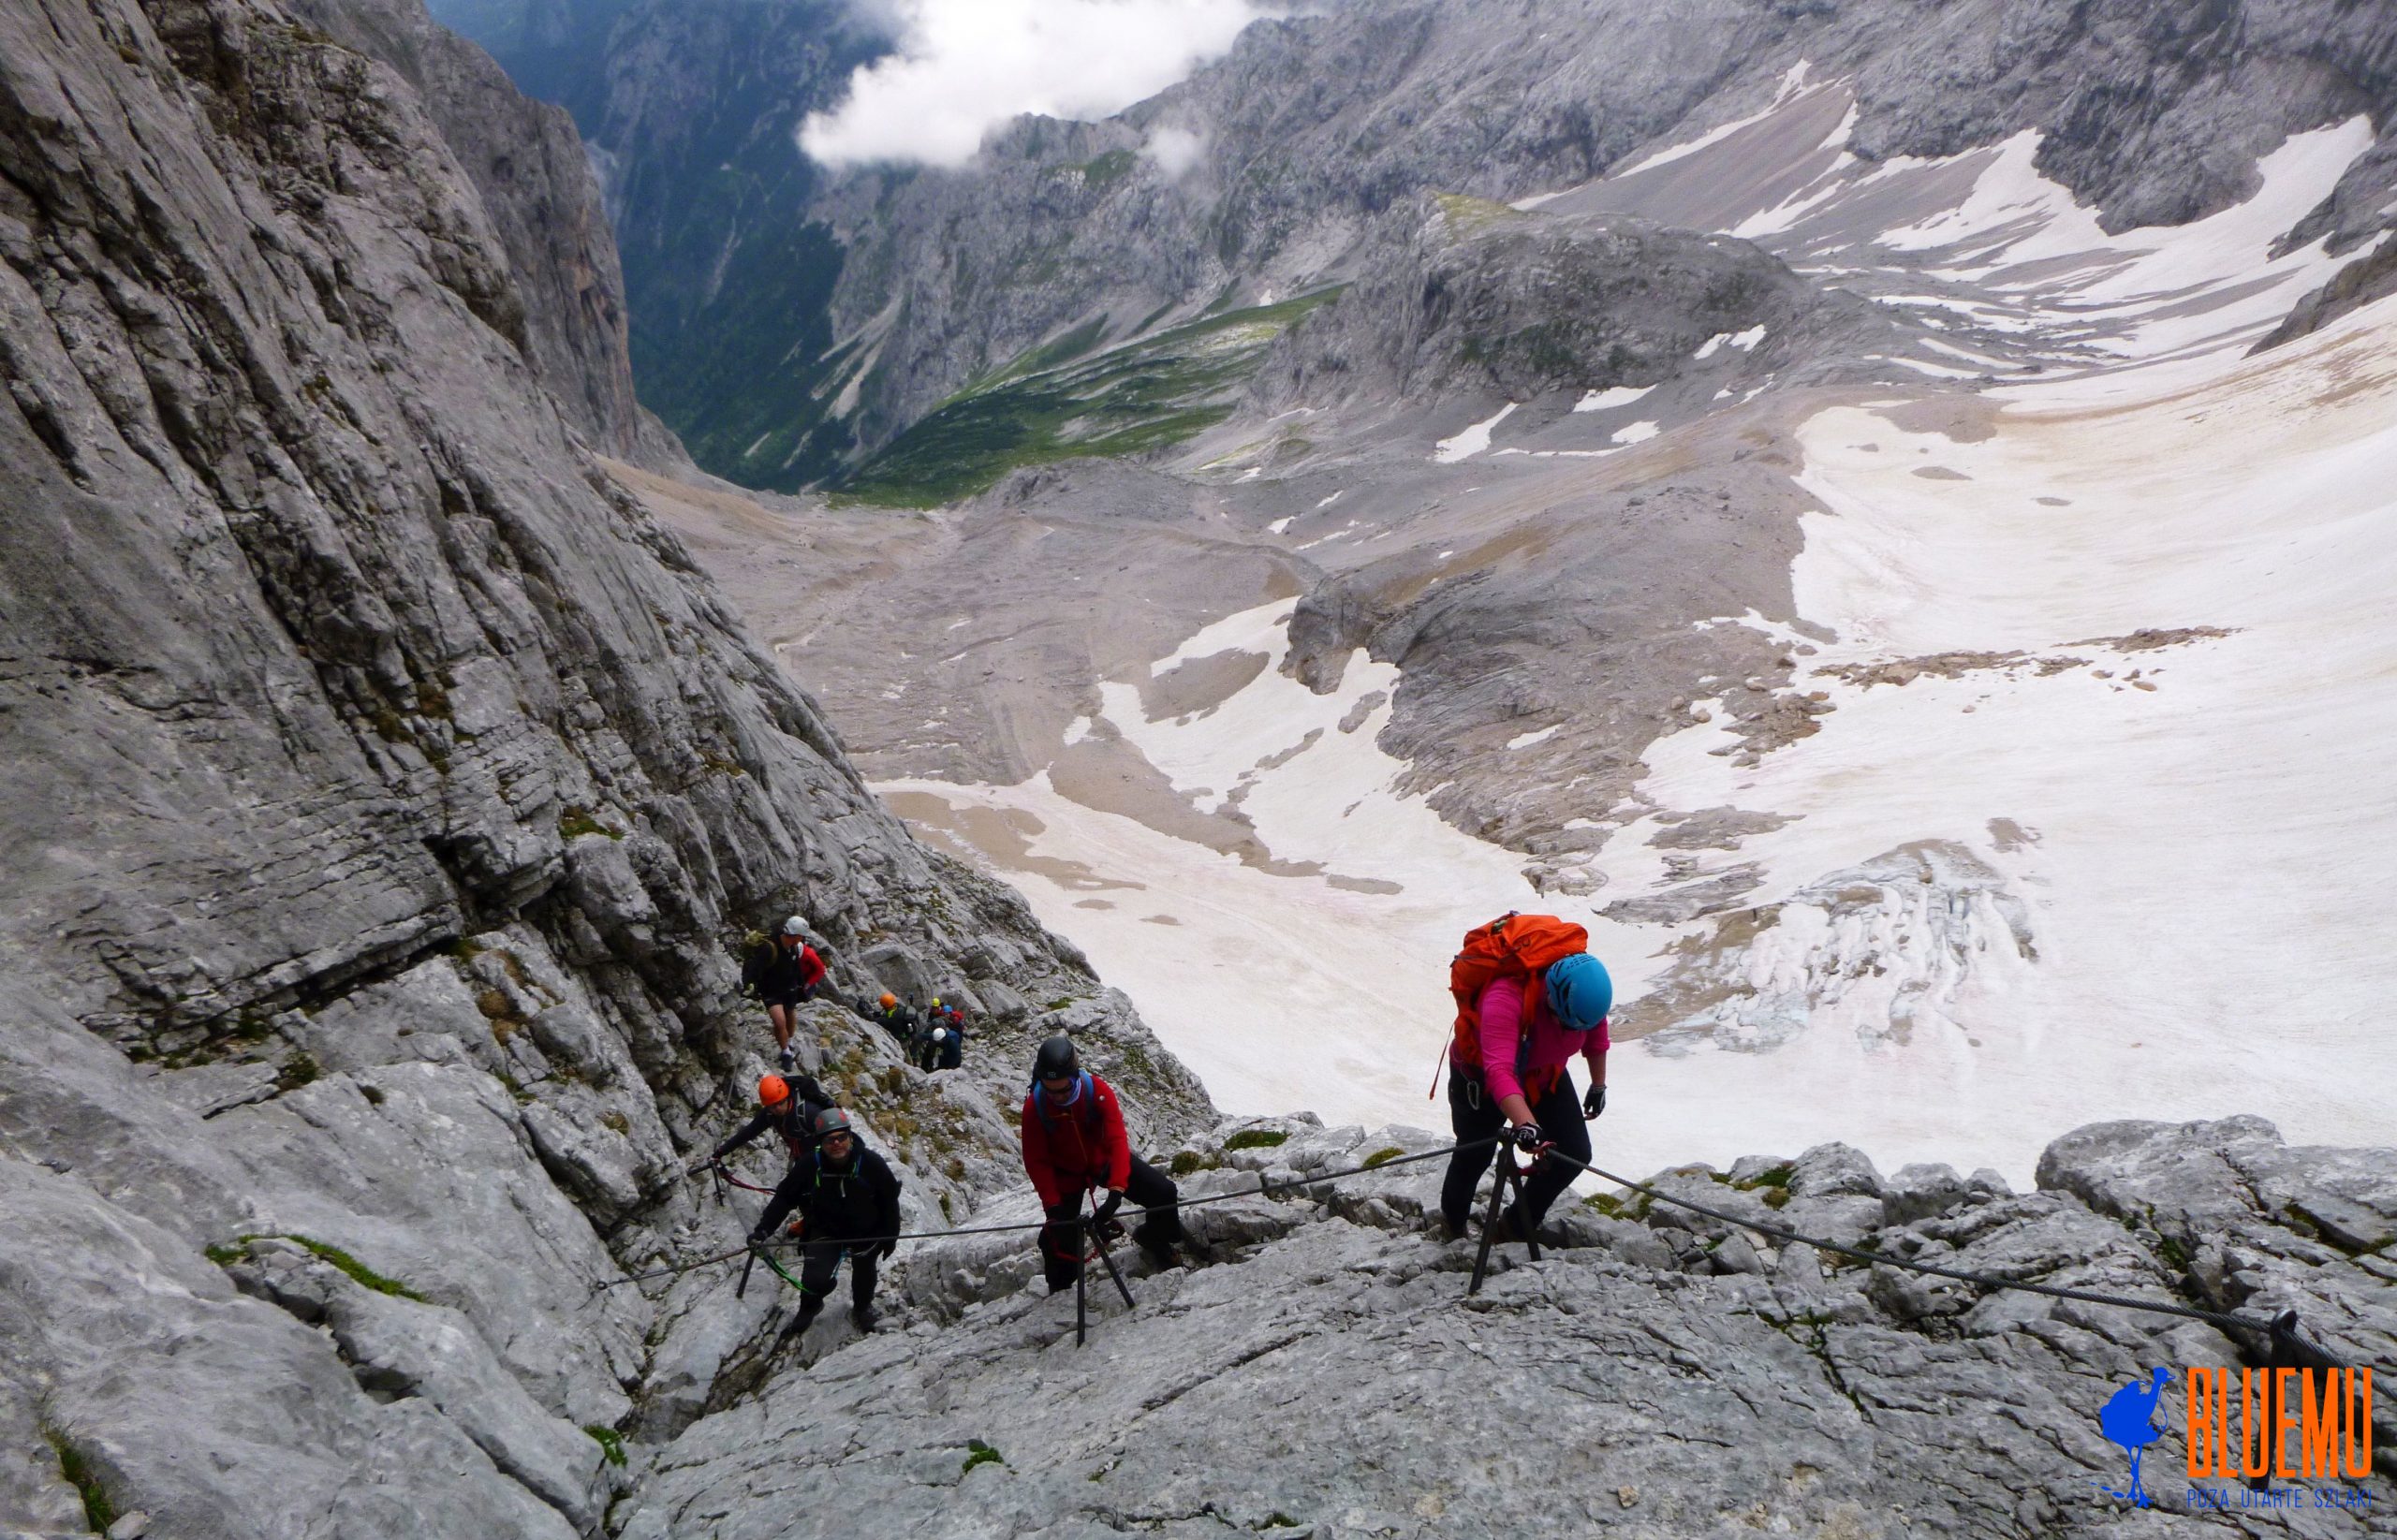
[(754, 967)]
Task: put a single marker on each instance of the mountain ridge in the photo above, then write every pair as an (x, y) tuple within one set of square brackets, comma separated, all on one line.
[(1312, 126)]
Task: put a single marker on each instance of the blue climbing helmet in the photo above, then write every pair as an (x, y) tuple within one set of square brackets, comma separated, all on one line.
[(1579, 991)]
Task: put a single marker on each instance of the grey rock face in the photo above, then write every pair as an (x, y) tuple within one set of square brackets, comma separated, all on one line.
[(1464, 295), (392, 800), (1335, 1379), (1833, 1171), (399, 1348), (2156, 112), (224, 1416), (2253, 1225), (534, 182)]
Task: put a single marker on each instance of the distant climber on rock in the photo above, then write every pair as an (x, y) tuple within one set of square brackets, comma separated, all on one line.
[(784, 971), (940, 1039), (932, 1034), (897, 1019), (788, 1107), (952, 1041), (1529, 998), (848, 1202), (1074, 1145)]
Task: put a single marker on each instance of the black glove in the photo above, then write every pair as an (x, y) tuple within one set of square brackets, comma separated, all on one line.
[(760, 1236), (1106, 1209), (1526, 1135), (888, 1250), (1596, 1102)]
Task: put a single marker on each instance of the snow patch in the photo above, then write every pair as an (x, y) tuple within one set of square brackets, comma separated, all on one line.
[(1604, 401), (1792, 86), (1638, 433), (1464, 446)]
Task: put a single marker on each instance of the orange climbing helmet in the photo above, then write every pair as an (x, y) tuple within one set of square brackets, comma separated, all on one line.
[(773, 1092), (889, 999)]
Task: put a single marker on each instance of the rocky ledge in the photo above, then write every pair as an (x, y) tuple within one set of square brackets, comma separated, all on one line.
[(1320, 1369)]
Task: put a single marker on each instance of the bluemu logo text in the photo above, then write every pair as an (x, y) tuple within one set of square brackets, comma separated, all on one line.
[(2323, 1417)]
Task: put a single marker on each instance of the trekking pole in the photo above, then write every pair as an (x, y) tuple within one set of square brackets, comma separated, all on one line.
[(741, 1290), (1094, 1246), (1507, 1183), (1100, 1238)]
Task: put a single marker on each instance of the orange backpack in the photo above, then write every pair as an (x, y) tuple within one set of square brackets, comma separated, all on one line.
[(1512, 946)]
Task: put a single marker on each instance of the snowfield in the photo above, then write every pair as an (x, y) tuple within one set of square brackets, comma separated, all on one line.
[(2191, 845), (2099, 819)]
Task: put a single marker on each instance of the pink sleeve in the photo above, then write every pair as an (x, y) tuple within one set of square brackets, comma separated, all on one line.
[(1596, 1049), (1502, 1030)]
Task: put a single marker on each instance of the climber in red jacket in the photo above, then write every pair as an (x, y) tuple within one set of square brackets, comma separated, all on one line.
[(1073, 1143)]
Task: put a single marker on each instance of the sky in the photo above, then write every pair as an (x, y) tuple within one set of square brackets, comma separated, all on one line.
[(964, 66)]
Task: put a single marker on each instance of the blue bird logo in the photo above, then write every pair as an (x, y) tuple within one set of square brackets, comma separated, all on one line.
[(2129, 1420)]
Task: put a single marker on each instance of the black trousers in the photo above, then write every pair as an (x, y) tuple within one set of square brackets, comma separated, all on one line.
[(1474, 1114), (820, 1260), (1060, 1239)]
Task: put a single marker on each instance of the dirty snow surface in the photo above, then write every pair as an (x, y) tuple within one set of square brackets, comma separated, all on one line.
[(2098, 811)]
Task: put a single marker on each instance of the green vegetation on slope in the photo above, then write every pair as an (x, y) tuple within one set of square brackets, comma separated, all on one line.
[(225, 1256), (1054, 404), (98, 1512)]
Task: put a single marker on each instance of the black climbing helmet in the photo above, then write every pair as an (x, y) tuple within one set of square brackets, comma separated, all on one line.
[(1056, 1060)]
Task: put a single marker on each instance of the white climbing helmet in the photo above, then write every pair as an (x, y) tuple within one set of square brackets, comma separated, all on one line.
[(795, 925)]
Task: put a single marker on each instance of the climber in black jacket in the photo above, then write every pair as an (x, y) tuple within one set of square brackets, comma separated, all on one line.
[(849, 1198), (788, 1107)]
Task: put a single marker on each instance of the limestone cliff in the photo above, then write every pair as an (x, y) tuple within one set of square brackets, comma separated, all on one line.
[(390, 799)]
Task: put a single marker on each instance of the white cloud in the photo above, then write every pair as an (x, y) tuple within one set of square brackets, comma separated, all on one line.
[(964, 66), (1174, 150)]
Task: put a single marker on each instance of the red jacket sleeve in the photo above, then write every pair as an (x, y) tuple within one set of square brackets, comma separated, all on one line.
[(1036, 1157), (811, 967), (1119, 1147)]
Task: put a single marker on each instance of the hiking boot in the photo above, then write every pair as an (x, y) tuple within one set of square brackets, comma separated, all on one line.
[(787, 1058), (808, 1311), (1155, 1246), (864, 1317)]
